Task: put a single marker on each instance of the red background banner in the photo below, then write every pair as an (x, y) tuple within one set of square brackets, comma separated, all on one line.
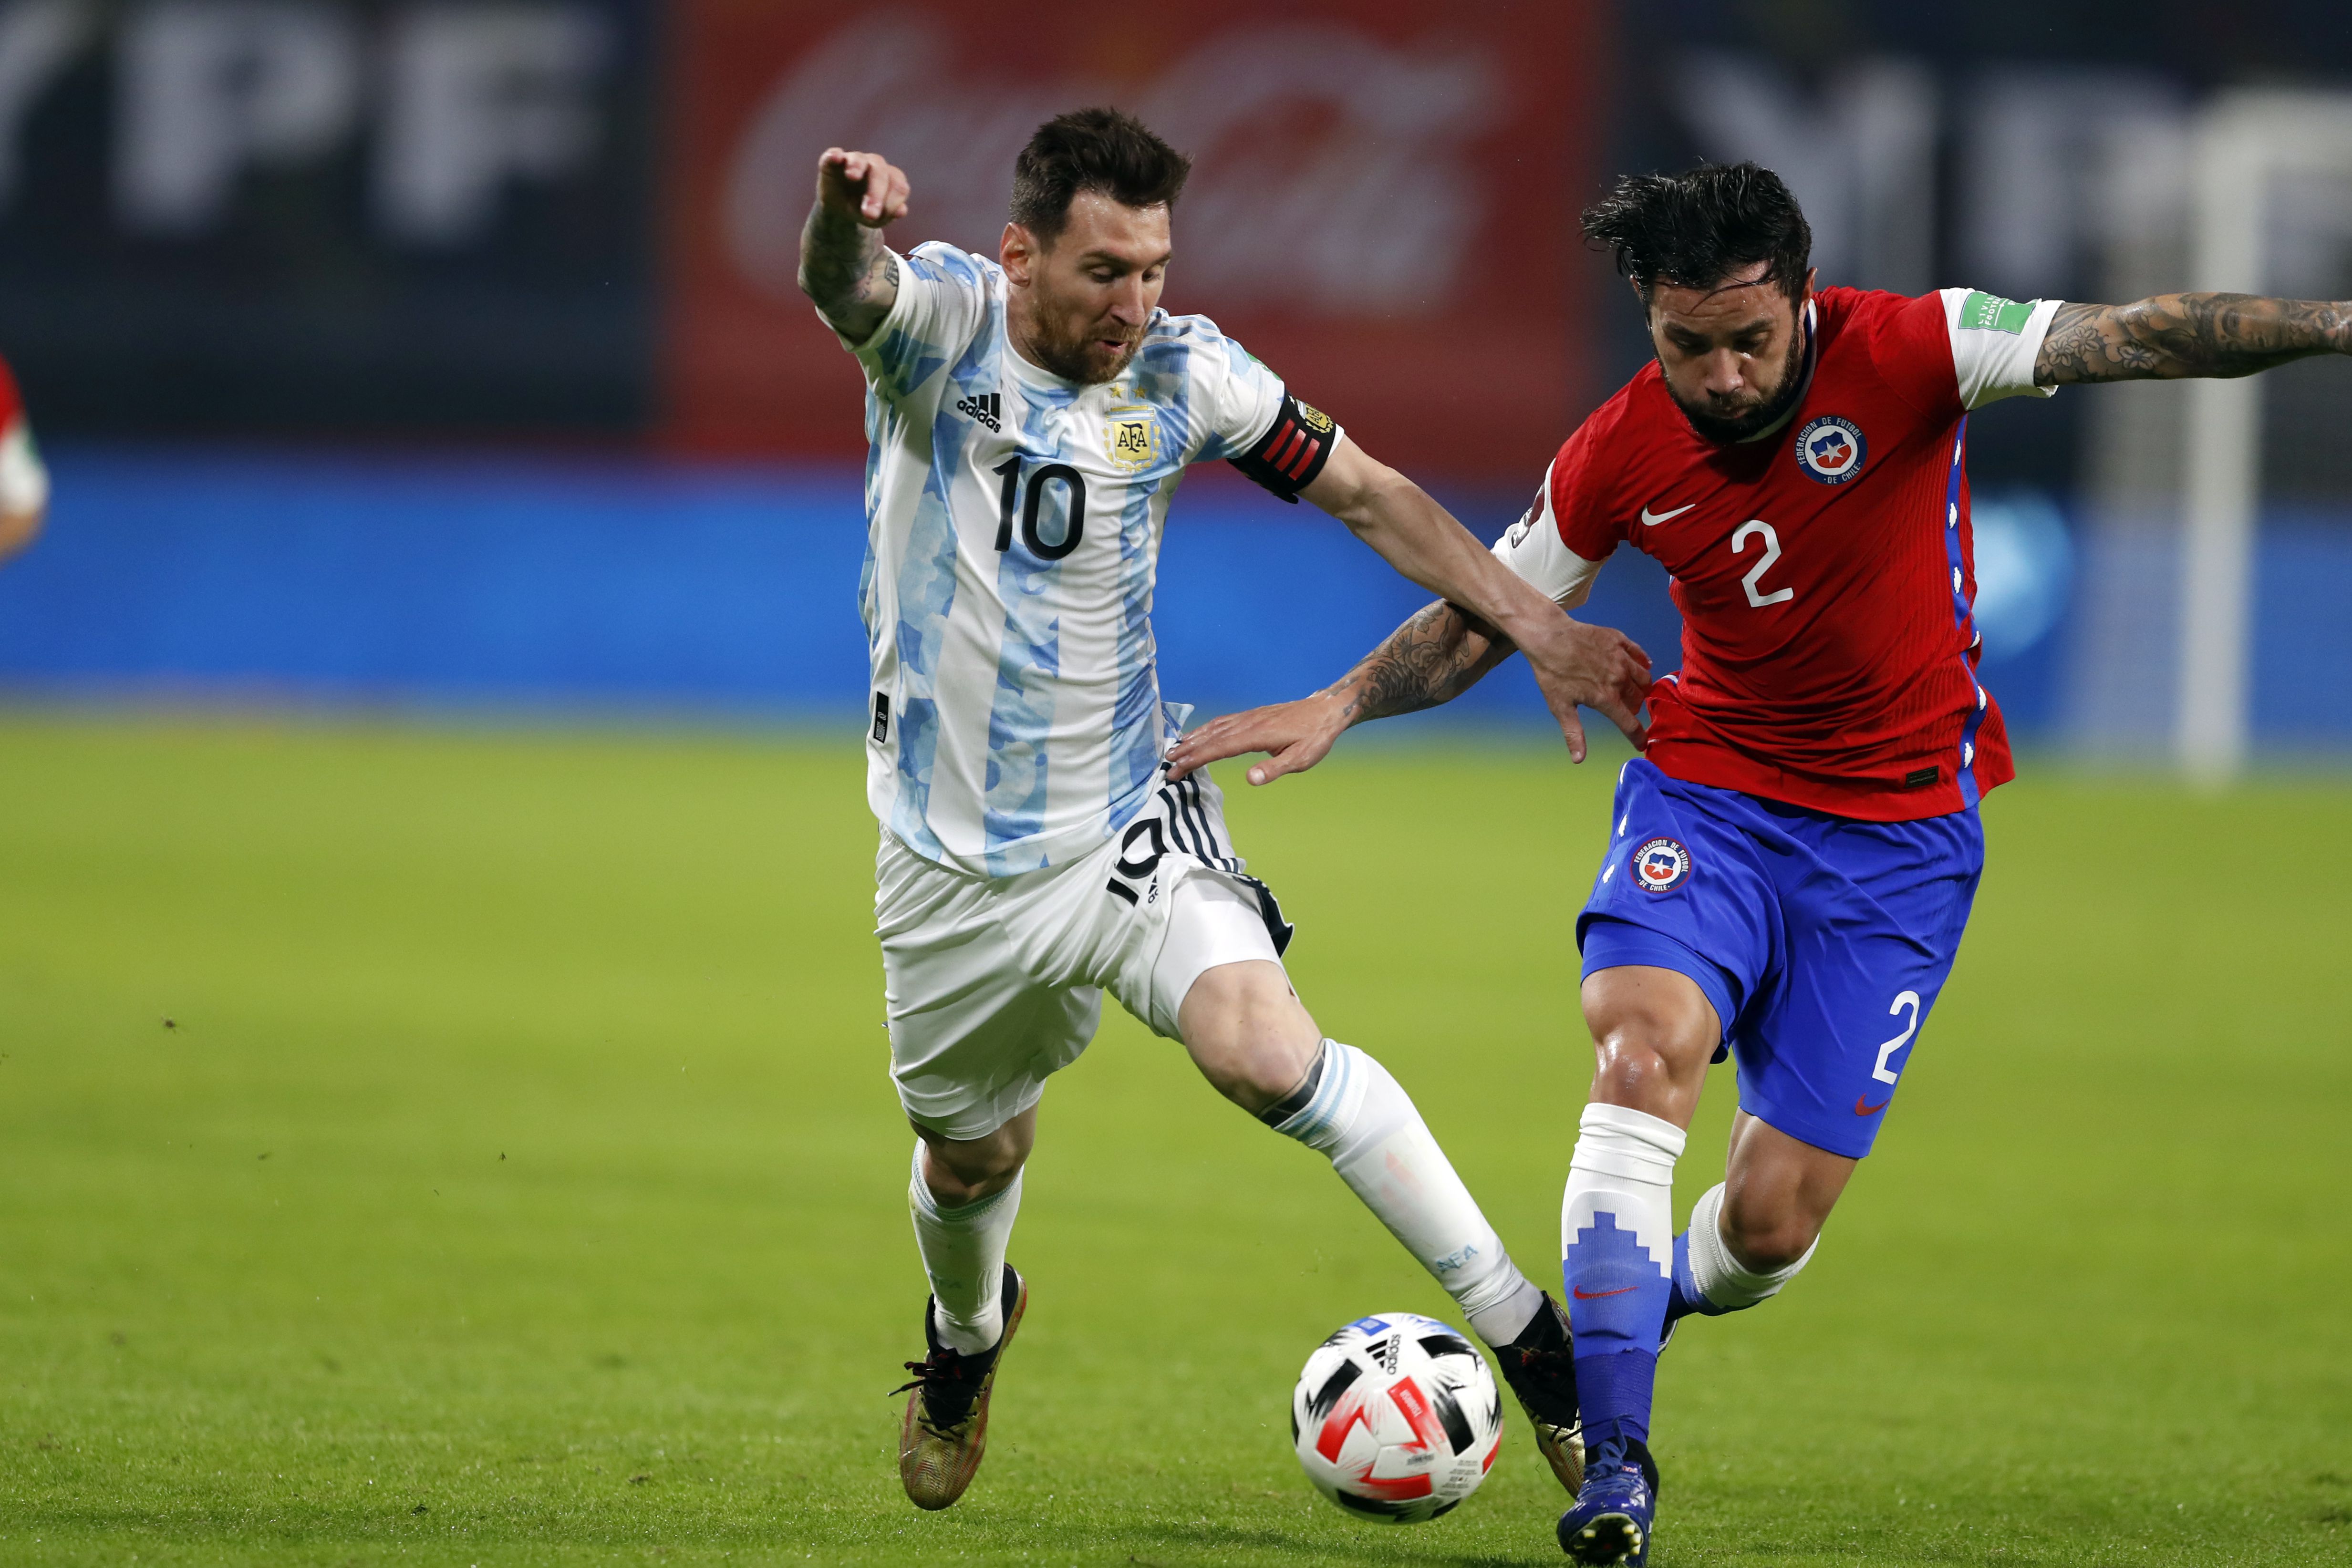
[(1383, 206)]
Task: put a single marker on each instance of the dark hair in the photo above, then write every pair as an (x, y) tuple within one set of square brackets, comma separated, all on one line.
[(1697, 229), (1097, 149)]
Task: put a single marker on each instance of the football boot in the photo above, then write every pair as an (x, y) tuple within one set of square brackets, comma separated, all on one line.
[(1540, 1367), (1610, 1525), (945, 1430)]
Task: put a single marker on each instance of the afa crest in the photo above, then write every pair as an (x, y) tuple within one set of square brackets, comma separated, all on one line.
[(1131, 438)]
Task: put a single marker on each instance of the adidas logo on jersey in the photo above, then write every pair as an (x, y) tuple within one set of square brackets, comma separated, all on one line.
[(988, 408)]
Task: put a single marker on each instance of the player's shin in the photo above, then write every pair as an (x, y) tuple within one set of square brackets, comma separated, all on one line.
[(963, 1253), (1708, 1279), (1616, 1228), (1351, 1110)]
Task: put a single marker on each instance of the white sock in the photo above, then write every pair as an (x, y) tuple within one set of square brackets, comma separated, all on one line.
[(964, 1252), (1717, 1273), (1624, 1166), (1362, 1118)]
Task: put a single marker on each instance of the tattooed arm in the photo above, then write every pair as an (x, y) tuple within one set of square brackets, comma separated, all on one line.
[(2177, 334), (845, 267), (1433, 658)]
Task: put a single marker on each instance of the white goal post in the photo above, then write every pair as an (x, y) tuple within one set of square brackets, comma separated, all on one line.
[(2242, 143)]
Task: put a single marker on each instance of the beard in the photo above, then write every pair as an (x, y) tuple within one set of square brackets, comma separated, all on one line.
[(1080, 358), (1731, 429)]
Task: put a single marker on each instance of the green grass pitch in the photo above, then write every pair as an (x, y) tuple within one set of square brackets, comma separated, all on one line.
[(435, 1147)]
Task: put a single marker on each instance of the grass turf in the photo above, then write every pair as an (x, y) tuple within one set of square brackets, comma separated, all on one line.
[(448, 1148)]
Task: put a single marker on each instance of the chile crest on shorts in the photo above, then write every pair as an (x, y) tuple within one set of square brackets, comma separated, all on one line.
[(1830, 449), (1662, 864)]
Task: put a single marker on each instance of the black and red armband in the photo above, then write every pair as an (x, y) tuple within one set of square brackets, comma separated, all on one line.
[(1293, 449)]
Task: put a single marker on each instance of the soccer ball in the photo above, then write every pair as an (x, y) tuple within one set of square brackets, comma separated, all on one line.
[(1396, 1419)]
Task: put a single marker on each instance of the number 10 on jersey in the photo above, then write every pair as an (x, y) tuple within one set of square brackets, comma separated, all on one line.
[(1076, 484)]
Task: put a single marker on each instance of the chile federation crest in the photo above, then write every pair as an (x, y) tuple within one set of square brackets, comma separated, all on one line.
[(1661, 865), (1830, 449)]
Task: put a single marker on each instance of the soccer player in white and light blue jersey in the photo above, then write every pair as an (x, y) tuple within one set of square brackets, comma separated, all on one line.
[(1029, 418)]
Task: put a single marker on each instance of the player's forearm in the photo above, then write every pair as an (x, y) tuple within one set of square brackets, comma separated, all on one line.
[(1422, 539), (1432, 659), (846, 270), (2172, 336)]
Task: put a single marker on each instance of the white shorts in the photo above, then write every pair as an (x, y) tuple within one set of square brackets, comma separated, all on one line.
[(995, 984)]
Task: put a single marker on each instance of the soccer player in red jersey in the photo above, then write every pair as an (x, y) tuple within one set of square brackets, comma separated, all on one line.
[(1792, 859), (24, 483)]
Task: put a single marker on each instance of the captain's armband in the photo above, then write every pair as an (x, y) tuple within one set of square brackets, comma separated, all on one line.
[(1293, 450)]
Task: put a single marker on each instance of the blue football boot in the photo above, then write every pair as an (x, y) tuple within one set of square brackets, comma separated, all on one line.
[(1610, 1525)]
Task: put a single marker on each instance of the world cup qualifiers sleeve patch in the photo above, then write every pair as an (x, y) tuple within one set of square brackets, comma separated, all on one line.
[(1293, 449), (1661, 865)]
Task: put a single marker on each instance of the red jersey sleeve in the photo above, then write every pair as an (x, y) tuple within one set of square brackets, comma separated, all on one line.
[(1911, 344), (1578, 492)]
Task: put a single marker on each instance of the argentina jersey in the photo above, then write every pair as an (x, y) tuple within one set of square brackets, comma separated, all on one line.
[(1012, 537)]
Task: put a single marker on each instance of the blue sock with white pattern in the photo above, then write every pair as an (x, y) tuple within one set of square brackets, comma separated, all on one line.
[(1616, 1232)]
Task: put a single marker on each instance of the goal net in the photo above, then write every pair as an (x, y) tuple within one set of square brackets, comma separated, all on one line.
[(2218, 555)]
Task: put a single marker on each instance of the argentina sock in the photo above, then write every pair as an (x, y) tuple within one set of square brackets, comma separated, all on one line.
[(1351, 1110), (1616, 1228), (963, 1253), (1707, 1279)]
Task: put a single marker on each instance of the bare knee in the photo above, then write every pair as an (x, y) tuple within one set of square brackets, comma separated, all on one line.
[(966, 1170), (1766, 1244), (1248, 1033), (1653, 1031), (1777, 1194)]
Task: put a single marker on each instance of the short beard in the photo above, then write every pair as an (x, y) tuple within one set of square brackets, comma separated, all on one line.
[(1068, 361), (1740, 427)]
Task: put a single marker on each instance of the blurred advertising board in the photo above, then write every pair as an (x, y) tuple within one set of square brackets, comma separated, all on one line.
[(304, 215), (1381, 207)]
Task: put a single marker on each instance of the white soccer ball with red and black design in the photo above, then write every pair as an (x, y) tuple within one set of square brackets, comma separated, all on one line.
[(1396, 1418)]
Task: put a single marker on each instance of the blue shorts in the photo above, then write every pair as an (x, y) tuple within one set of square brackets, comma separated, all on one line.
[(1821, 941)]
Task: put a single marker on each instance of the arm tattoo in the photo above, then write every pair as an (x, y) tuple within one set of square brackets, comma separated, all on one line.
[(1433, 658), (847, 269), (2177, 334)]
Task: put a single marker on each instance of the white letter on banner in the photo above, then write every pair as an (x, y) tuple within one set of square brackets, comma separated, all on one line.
[(479, 95), (37, 39), (208, 87)]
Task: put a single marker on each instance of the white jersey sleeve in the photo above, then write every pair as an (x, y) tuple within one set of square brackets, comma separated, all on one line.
[(24, 481), (942, 300), (1995, 342), (1233, 398), (1533, 548)]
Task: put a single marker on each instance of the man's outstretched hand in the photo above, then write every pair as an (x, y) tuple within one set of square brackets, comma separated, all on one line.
[(1598, 667), (864, 186), (1298, 734)]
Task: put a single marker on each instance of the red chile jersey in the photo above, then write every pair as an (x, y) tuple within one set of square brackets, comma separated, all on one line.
[(1824, 569)]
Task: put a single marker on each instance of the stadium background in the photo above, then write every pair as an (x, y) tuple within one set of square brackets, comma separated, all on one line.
[(448, 354), (438, 1061)]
